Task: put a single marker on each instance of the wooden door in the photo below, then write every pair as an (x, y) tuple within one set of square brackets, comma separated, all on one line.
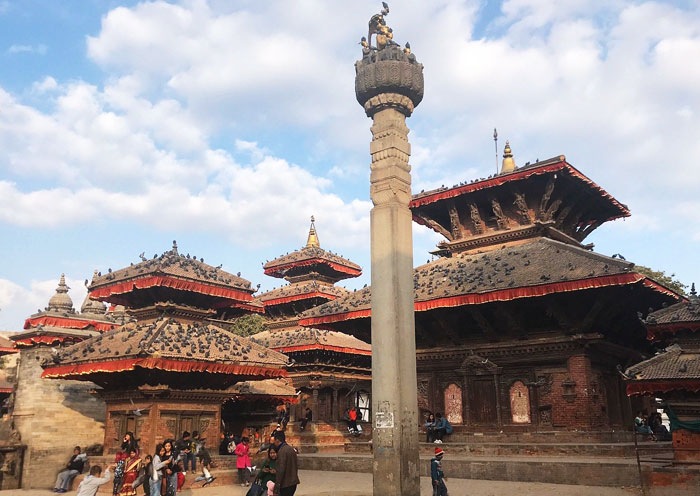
[(482, 401)]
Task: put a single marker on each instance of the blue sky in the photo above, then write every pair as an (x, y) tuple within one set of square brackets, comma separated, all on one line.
[(125, 125)]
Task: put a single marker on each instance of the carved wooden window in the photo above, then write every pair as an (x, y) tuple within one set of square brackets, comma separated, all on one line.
[(179, 422), (520, 403), (453, 404)]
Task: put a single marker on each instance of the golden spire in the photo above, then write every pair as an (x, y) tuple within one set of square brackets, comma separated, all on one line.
[(312, 240), (508, 162)]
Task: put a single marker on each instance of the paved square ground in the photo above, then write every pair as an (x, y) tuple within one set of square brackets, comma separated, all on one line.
[(318, 483)]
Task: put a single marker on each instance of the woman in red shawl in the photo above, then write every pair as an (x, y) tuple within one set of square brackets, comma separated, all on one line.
[(132, 465)]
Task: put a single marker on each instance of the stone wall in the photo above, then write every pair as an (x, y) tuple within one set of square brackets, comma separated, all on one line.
[(52, 416)]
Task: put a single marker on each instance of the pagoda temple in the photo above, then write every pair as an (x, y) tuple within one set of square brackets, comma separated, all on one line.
[(674, 374), (519, 324), (51, 417), (332, 370), (171, 369)]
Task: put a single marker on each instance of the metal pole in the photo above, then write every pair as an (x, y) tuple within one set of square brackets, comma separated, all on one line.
[(495, 144)]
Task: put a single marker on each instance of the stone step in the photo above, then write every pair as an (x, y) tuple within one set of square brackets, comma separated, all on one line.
[(621, 450), (464, 435), (599, 471)]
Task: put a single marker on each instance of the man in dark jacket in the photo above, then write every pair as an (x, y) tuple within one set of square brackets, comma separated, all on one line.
[(287, 475), (74, 467)]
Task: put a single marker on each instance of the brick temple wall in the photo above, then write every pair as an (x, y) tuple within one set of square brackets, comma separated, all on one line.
[(686, 445), (52, 416)]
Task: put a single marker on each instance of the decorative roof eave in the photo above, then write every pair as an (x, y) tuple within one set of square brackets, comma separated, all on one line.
[(291, 399), (635, 387), (251, 306), (7, 349), (275, 270), (48, 340), (81, 370), (552, 165), (112, 292), (303, 296), (654, 331), (69, 323), (502, 295), (323, 347)]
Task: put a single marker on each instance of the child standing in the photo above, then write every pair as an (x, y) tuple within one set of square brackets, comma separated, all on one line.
[(243, 461), (437, 476)]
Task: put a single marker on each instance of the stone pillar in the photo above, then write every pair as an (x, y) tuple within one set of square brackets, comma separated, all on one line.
[(389, 84), (334, 408)]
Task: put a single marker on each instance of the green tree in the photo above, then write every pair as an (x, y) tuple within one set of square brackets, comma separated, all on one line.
[(247, 325), (661, 277)]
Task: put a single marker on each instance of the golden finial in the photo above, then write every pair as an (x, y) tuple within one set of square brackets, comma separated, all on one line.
[(508, 162), (312, 240)]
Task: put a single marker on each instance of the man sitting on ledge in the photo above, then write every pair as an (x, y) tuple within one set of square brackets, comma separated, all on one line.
[(442, 428)]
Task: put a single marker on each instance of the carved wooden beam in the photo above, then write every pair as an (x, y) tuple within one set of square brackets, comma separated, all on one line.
[(592, 315), (435, 225), (501, 219), (448, 330), (560, 314), (588, 229), (522, 209), (477, 221), (552, 208), (455, 225), (563, 214), (425, 338), (509, 319), (484, 324), (549, 188)]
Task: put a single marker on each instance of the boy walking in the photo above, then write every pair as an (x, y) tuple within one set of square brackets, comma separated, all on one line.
[(436, 474)]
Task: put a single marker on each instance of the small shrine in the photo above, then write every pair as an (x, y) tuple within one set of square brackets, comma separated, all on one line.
[(170, 370), (332, 370)]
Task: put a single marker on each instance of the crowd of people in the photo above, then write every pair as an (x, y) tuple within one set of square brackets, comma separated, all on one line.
[(651, 425), (436, 428), (164, 472)]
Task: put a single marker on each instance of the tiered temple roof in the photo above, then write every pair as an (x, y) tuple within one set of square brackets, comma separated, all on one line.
[(172, 296), (537, 268), (312, 262), (174, 277), (168, 346), (302, 339), (678, 367), (59, 322)]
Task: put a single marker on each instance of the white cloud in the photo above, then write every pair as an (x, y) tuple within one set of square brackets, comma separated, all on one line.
[(18, 302), (39, 49)]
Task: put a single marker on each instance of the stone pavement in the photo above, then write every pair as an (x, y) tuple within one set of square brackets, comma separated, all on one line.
[(316, 483)]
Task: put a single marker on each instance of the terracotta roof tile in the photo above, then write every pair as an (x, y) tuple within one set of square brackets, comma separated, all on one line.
[(674, 363), (303, 337), (683, 312), (311, 255), (268, 387), (311, 288), (540, 262), (170, 339), (177, 265)]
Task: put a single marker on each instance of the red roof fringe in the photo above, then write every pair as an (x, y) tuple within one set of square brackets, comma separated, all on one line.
[(312, 261), (653, 332), (339, 349), (652, 387), (46, 340), (68, 323), (6, 390), (291, 399), (8, 349), (108, 293), (127, 364), (244, 306), (288, 299), (516, 176), (502, 295)]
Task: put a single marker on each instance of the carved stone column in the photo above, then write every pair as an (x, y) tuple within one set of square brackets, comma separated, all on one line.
[(389, 84), (334, 407)]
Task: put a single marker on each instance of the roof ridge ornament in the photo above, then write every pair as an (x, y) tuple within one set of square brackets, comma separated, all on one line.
[(61, 301), (508, 162), (312, 241)]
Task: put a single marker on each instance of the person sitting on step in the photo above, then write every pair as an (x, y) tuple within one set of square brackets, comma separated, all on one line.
[(442, 428)]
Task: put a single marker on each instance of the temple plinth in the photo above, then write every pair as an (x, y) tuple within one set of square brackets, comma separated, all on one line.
[(389, 84)]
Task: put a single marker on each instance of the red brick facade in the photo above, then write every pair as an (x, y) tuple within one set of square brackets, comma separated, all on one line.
[(161, 419)]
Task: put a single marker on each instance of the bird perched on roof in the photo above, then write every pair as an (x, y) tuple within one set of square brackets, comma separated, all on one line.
[(142, 256)]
